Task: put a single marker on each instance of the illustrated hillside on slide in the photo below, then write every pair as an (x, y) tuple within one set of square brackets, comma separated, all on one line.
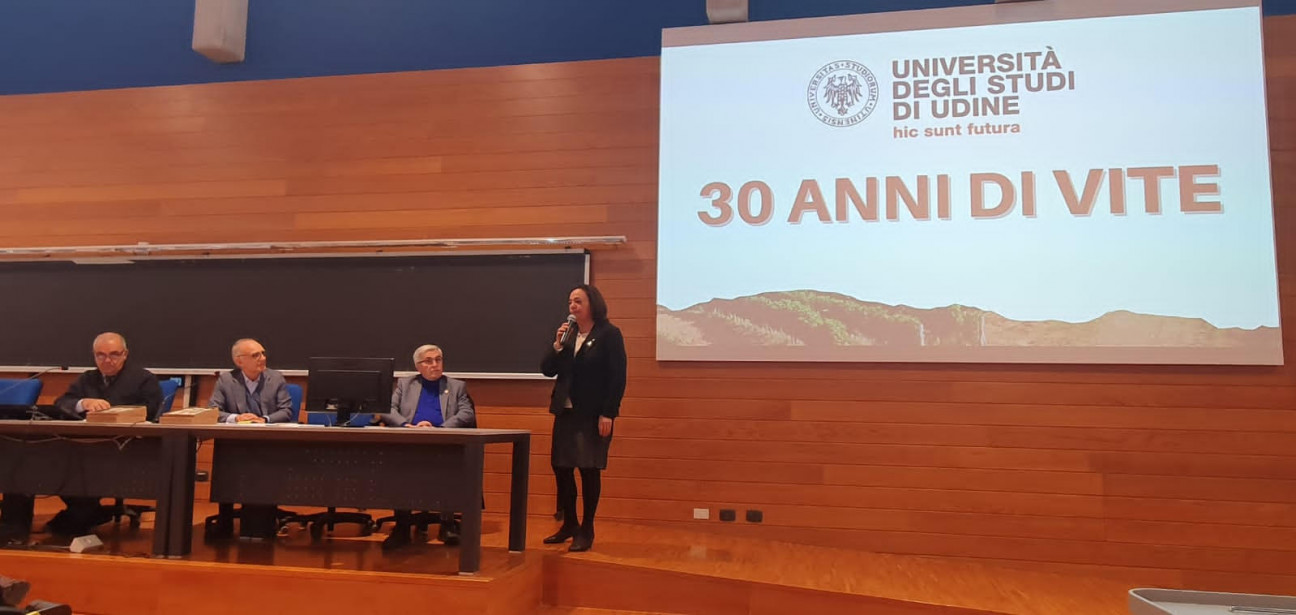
[(813, 319)]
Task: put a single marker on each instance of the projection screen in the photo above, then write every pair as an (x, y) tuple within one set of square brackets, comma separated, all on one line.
[(1052, 182)]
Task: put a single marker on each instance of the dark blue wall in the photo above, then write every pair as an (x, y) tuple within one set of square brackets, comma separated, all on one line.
[(61, 45)]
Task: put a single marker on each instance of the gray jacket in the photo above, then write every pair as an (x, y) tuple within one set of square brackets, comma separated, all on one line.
[(456, 406), (231, 397)]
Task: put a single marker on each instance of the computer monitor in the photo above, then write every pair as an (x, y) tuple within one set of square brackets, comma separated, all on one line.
[(347, 385)]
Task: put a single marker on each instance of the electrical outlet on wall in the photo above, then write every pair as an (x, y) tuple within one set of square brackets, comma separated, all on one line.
[(701, 513)]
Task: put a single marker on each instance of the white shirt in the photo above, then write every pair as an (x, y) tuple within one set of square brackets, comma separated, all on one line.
[(580, 341)]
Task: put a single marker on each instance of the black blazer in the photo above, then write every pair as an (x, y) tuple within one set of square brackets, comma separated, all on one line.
[(595, 379), (133, 386)]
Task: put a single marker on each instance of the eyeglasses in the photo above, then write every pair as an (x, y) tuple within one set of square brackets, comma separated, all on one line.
[(255, 355), (432, 361), (116, 355)]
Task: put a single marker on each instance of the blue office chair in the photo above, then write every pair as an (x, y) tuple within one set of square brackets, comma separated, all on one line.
[(20, 391), (132, 512), (169, 388), (295, 394), (325, 419)]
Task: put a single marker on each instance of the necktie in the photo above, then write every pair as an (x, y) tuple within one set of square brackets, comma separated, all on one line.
[(254, 401)]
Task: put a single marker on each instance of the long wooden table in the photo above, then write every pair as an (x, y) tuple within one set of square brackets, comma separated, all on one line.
[(302, 465)]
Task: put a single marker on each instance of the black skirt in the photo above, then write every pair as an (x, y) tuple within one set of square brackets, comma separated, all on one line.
[(576, 441)]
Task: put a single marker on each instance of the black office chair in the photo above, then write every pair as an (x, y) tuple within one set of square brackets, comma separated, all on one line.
[(133, 512), (318, 523)]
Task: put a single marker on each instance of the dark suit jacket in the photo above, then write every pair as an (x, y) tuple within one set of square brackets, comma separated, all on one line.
[(231, 396), (594, 378), (133, 386)]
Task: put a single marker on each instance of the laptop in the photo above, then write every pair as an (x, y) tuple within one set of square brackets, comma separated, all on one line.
[(38, 412)]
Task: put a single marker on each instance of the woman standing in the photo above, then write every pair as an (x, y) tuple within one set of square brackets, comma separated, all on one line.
[(591, 371)]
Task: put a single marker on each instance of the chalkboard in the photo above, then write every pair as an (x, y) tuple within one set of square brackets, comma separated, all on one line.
[(492, 314)]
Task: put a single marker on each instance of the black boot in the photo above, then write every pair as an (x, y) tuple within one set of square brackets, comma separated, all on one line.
[(449, 532), (564, 533), (221, 525), (583, 541), (592, 484), (12, 533), (567, 504), (16, 509), (15, 518), (80, 517)]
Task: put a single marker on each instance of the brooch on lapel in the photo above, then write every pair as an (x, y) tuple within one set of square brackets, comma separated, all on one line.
[(589, 344)]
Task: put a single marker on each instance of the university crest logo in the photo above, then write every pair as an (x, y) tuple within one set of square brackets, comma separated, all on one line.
[(842, 93)]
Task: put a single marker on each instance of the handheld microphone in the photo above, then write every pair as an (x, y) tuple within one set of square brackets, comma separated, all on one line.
[(571, 330)]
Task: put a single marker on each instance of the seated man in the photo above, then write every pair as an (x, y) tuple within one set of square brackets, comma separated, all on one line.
[(423, 401), (249, 393), (114, 382)]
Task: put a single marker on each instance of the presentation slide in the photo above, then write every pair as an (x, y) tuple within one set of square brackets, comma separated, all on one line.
[(1037, 182)]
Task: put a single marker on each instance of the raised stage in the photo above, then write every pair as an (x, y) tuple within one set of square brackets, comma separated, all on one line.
[(632, 568)]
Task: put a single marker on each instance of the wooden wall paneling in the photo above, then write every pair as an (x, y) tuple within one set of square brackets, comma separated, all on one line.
[(1177, 475)]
